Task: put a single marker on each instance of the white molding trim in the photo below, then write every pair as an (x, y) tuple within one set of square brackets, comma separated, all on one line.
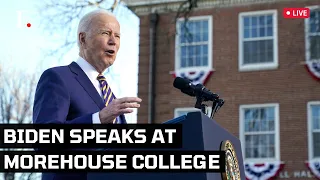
[(210, 43), (146, 7), (277, 131), (258, 66), (310, 137)]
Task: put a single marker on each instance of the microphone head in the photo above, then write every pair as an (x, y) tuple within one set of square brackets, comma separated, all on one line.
[(184, 85), (181, 83)]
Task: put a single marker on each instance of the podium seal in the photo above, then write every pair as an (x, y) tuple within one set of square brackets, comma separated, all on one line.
[(232, 165)]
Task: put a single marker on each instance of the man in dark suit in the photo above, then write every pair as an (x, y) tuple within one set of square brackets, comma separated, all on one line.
[(79, 93)]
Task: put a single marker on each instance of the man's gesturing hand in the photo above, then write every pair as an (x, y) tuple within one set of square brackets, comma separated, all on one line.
[(117, 107)]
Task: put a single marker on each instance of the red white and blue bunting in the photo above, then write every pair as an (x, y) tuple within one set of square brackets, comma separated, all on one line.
[(313, 68), (200, 76), (314, 167), (264, 171)]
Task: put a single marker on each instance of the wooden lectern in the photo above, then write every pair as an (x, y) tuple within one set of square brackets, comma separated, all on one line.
[(199, 133)]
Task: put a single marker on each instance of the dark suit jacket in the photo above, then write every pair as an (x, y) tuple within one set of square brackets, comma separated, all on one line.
[(65, 95)]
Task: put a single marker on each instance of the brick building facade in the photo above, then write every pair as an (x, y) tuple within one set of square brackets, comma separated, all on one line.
[(258, 59)]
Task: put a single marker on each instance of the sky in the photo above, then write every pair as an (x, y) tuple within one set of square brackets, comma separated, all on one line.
[(21, 47)]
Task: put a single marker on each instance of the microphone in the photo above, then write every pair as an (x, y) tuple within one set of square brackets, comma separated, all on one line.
[(199, 90)]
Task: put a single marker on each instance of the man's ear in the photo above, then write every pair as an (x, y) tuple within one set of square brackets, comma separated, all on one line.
[(82, 39)]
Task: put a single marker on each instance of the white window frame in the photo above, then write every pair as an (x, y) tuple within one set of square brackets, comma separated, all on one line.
[(310, 137), (277, 132), (177, 43), (306, 32), (259, 66)]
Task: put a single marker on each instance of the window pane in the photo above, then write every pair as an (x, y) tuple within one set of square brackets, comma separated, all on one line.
[(269, 20), (314, 21), (259, 119), (260, 146), (183, 62), (204, 55), (192, 53), (254, 32), (248, 152), (246, 22), (270, 113), (251, 120), (205, 30), (315, 47), (197, 37), (198, 55), (316, 144), (183, 51), (246, 54), (190, 56), (198, 60), (205, 25), (258, 26), (254, 21), (184, 56), (315, 114), (204, 50), (269, 31), (262, 31), (197, 26), (264, 126), (262, 21), (246, 33), (248, 47), (187, 32), (205, 60), (267, 119), (248, 146), (258, 51), (197, 31), (313, 27), (181, 33), (247, 120), (193, 31)]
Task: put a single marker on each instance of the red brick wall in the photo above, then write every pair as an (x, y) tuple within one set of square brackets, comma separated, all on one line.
[(290, 84)]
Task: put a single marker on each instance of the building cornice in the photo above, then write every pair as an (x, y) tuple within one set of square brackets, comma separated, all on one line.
[(144, 7)]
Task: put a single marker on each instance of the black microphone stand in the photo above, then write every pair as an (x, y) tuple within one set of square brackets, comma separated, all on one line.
[(199, 104), (200, 98), (216, 104)]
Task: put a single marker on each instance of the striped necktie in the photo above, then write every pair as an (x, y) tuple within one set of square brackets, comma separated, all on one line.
[(107, 94)]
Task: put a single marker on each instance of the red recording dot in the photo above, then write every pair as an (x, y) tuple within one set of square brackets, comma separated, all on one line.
[(29, 25)]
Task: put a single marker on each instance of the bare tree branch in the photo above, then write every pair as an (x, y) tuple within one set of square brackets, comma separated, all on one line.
[(16, 97), (61, 17)]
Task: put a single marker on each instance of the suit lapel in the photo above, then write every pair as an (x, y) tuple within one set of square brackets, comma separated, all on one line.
[(85, 82)]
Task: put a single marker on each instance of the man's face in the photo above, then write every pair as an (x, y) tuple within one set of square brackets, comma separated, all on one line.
[(102, 43)]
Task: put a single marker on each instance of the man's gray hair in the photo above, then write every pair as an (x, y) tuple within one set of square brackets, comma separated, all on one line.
[(86, 20)]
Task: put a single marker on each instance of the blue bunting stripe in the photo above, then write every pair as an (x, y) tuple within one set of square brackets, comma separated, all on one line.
[(313, 67), (196, 77), (264, 171), (314, 167)]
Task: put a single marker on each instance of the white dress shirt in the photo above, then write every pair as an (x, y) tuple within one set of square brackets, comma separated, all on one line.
[(92, 74)]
